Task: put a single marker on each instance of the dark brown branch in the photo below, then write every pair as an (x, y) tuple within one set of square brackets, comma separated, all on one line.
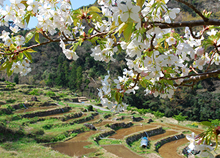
[(135, 82), (92, 26), (164, 25), (151, 42), (210, 61), (191, 32), (196, 77), (68, 39), (46, 36), (195, 10), (50, 41)]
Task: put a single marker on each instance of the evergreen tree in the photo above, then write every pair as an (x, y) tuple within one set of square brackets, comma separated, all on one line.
[(72, 77), (16, 79), (79, 78)]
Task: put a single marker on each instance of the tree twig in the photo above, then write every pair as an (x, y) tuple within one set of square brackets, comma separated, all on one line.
[(164, 25), (194, 9)]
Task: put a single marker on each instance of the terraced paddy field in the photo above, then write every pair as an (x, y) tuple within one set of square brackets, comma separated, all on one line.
[(50, 128)]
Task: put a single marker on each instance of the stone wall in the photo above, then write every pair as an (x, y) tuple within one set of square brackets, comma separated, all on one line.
[(104, 134), (71, 116), (46, 113), (166, 140), (135, 137), (87, 118), (120, 125)]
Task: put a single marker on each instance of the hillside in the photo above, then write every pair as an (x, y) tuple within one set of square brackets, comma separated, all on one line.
[(49, 122), (51, 68)]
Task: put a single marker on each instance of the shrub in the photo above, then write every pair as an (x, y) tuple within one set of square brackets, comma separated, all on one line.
[(180, 117), (10, 101), (158, 114), (10, 85), (50, 94), (34, 92), (90, 108)]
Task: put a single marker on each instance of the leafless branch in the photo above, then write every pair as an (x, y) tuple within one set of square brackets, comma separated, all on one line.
[(135, 82), (151, 42), (68, 39), (50, 41), (210, 62), (91, 26), (191, 32), (195, 10), (164, 25), (196, 77), (46, 36)]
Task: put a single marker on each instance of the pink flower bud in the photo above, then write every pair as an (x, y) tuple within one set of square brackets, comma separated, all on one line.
[(200, 51)]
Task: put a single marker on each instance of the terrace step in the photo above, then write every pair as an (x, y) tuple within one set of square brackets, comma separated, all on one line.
[(46, 113)]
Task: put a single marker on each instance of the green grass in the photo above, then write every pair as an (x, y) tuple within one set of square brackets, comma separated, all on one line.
[(135, 146), (109, 141)]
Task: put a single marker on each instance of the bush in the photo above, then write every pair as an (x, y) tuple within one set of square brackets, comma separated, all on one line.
[(180, 117), (90, 108), (10, 101), (34, 92), (10, 85), (158, 114), (50, 94)]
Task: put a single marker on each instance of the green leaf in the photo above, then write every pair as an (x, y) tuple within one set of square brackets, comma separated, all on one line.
[(121, 28), (28, 55), (94, 9), (90, 30), (20, 56), (31, 51), (117, 96), (128, 31), (27, 18), (9, 72), (4, 65), (37, 37), (206, 123), (29, 36)]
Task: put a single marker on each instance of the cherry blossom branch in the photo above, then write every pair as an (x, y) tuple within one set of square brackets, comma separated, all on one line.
[(191, 32), (196, 77), (91, 25), (194, 9), (50, 41), (135, 82), (68, 39), (164, 25), (46, 36), (151, 42), (210, 62)]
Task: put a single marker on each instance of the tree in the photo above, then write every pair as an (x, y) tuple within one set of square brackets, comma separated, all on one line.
[(158, 57), (79, 78), (16, 79)]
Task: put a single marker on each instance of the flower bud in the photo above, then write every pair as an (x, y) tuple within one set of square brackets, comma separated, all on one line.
[(200, 51)]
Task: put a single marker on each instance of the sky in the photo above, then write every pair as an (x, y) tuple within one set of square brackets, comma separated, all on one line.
[(75, 4)]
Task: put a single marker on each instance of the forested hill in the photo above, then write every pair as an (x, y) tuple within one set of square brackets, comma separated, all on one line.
[(51, 68)]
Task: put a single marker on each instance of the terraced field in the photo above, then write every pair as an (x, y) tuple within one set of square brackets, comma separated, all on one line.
[(59, 126)]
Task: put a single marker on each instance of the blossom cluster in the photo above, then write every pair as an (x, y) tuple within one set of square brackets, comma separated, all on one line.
[(21, 67)]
